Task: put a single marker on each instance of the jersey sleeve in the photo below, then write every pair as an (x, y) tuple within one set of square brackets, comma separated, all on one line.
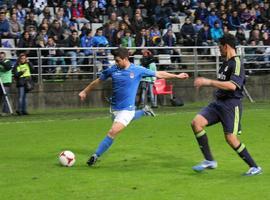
[(238, 74), (105, 74), (146, 72)]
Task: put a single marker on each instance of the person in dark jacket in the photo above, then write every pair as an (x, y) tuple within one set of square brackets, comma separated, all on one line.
[(22, 74)]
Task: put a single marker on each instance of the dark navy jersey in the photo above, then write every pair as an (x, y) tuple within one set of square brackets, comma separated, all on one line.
[(231, 70), (125, 84)]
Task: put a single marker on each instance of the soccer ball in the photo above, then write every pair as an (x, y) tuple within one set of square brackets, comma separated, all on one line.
[(67, 158)]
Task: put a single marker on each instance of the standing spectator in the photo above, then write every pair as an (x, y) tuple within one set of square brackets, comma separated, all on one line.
[(22, 73), (148, 61), (74, 41), (6, 79)]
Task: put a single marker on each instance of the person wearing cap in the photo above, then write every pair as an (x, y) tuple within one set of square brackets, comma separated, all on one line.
[(6, 79)]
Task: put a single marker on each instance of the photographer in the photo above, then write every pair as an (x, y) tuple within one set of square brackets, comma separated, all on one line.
[(148, 61), (22, 74), (6, 79)]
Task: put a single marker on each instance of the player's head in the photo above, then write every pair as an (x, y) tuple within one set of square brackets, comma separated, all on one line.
[(227, 43), (121, 56)]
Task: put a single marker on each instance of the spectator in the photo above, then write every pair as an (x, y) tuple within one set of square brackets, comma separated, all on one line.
[(22, 73), (4, 25), (146, 84), (46, 13), (198, 26), (92, 12), (74, 41), (138, 22), (15, 27), (128, 22), (57, 32), (68, 11), (212, 19), (201, 12), (120, 33), (30, 21), (126, 9), (205, 39), (113, 8), (26, 41), (21, 13), (55, 57), (188, 33), (59, 16), (234, 21), (169, 40), (216, 32), (240, 37), (110, 33), (77, 14), (6, 79), (141, 40), (86, 41), (128, 41)]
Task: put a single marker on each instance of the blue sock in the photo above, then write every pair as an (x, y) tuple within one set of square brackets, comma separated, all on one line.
[(138, 114), (104, 145)]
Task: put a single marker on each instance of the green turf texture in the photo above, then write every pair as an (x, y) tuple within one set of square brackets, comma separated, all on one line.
[(151, 159)]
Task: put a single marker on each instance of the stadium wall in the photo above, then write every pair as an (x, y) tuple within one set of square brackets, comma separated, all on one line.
[(65, 95)]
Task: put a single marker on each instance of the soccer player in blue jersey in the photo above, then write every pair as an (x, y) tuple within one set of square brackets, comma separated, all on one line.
[(227, 108), (125, 81)]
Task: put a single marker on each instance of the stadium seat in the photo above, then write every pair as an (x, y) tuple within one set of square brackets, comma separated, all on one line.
[(162, 88), (164, 59)]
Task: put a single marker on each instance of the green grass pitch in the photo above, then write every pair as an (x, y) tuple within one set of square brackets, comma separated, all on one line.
[(150, 160)]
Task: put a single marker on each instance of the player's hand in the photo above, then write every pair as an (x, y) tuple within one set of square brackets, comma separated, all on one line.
[(82, 95), (200, 81), (183, 76)]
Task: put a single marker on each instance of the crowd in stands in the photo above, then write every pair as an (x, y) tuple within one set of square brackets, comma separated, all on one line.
[(128, 23)]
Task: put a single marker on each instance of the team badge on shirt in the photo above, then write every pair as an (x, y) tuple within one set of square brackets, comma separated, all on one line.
[(131, 75)]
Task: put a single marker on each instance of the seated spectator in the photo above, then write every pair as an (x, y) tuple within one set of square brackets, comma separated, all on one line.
[(216, 32), (113, 8), (55, 57), (4, 25), (110, 32), (74, 41), (205, 39), (188, 33), (57, 32), (92, 12), (212, 19), (128, 41), (30, 21), (128, 22), (169, 40), (46, 13), (201, 12), (113, 19), (240, 36), (141, 39), (138, 22), (85, 28), (26, 41), (77, 14), (86, 41), (126, 9), (198, 26), (20, 13), (15, 27), (234, 21), (99, 40)]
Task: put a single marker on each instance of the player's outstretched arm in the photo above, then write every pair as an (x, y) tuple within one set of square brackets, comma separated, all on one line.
[(224, 85), (83, 94), (166, 75)]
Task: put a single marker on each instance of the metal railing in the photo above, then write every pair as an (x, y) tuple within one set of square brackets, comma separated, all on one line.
[(173, 59)]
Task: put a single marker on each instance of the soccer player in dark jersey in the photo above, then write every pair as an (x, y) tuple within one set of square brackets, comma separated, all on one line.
[(125, 81), (227, 108)]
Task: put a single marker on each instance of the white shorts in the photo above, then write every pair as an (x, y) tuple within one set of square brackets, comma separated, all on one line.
[(123, 116)]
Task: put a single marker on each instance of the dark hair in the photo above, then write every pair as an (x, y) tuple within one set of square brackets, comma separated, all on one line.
[(228, 39), (120, 52)]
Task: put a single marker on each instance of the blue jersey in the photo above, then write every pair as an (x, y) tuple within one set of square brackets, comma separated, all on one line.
[(125, 83)]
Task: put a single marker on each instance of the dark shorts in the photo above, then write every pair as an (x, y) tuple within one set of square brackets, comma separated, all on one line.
[(228, 112)]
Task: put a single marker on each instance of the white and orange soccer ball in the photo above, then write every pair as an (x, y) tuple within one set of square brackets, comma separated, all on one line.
[(67, 158)]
